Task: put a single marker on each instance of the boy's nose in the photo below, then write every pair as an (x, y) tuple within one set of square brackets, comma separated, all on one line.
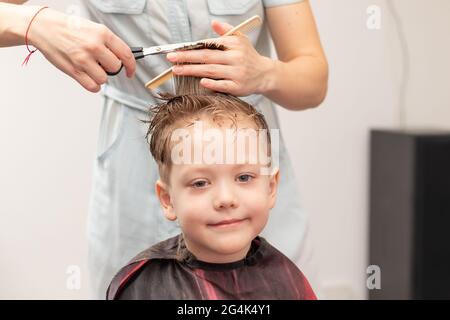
[(225, 197)]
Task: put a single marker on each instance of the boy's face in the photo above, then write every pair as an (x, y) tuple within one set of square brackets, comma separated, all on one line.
[(220, 207)]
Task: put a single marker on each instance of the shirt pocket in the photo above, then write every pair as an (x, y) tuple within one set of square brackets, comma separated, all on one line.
[(235, 12), (120, 6), (231, 7)]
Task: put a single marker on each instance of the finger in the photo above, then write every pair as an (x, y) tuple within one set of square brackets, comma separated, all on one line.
[(123, 52), (109, 61), (220, 27), (80, 76), (207, 56), (95, 72), (214, 71), (226, 86), (87, 82)]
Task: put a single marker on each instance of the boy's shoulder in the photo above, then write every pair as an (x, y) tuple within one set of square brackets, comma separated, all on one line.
[(166, 249), (290, 277)]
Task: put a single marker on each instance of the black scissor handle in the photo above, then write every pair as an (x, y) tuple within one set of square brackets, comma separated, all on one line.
[(114, 72), (138, 53)]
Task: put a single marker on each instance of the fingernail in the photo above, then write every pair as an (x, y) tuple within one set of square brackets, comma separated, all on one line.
[(172, 56), (177, 69)]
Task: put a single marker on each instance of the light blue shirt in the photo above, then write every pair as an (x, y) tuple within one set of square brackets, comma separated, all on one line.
[(125, 215)]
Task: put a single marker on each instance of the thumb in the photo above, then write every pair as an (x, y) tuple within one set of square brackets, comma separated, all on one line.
[(220, 27)]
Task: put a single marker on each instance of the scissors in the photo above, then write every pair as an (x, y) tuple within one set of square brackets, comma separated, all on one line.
[(140, 52)]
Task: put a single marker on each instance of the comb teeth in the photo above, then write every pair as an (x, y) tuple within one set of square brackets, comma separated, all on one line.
[(245, 26), (240, 29)]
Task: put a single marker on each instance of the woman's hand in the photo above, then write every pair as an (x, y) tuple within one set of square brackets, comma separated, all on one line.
[(80, 48), (239, 70)]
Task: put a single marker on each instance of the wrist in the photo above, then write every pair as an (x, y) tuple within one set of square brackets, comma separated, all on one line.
[(20, 16), (268, 80), (35, 25)]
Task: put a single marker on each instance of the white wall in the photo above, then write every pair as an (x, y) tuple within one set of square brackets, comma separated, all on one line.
[(330, 144), (48, 133)]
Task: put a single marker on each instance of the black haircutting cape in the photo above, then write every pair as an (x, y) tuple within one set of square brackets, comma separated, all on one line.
[(168, 271)]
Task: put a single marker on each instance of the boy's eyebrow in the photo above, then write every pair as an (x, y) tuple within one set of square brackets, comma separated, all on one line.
[(193, 169), (209, 168)]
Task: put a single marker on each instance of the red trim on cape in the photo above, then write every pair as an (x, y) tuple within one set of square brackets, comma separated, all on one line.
[(122, 278)]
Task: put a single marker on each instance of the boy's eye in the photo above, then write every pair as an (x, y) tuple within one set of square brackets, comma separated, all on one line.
[(244, 178), (199, 184)]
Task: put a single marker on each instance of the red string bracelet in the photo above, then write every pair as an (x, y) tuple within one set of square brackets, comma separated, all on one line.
[(25, 62)]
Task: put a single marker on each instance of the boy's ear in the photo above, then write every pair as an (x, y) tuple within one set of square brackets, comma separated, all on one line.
[(273, 186), (162, 192)]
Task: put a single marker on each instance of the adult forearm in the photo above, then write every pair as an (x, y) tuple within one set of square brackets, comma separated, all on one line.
[(298, 84), (14, 20)]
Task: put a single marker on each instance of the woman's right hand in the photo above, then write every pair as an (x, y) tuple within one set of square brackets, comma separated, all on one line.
[(80, 48)]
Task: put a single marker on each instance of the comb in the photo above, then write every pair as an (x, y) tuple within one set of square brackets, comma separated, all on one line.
[(240, 30)]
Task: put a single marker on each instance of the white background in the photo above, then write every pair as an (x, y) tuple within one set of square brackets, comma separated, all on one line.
[(49, 127)]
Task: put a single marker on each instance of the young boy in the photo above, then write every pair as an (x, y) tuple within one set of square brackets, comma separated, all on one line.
[(219, 189)]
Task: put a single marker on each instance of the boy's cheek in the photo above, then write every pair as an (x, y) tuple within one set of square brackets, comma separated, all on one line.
[(258, 191), (192, 202), (257, 199)]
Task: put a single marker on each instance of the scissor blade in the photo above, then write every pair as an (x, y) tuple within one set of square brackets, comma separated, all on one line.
[(171, 47)]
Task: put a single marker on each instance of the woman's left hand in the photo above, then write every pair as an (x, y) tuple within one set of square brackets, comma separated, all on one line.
[(239, 70)]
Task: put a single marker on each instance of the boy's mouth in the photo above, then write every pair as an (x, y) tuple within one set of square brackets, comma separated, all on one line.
[(227, 223)]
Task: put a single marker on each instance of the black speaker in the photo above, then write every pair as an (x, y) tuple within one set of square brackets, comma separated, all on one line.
[(410, 214)]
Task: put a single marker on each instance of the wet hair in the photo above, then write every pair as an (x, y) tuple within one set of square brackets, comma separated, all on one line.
[(189, 103)]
